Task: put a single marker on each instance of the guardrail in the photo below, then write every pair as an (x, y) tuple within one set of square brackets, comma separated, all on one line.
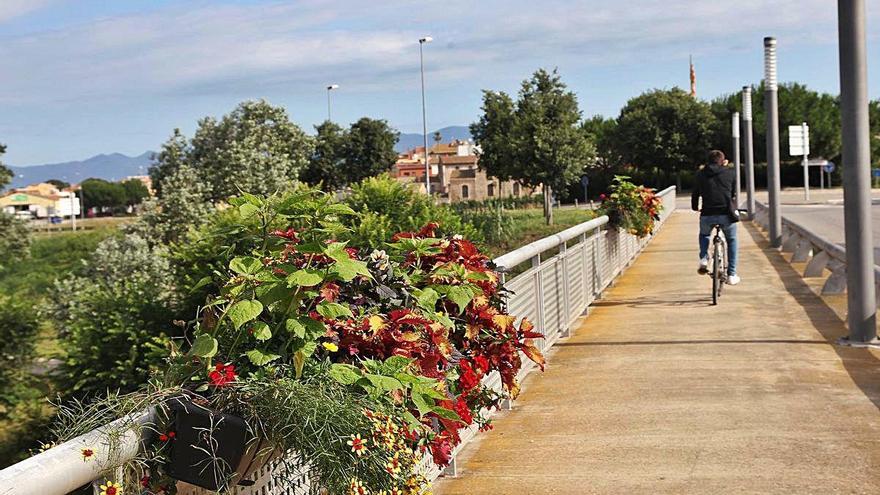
[(567, 272), (818, 253)]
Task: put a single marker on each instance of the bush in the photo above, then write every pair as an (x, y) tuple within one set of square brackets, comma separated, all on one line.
[(387, 207), (359, 360), (14, 239), (630, 207)]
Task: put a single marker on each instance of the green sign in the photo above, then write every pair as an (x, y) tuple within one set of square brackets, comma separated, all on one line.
[(20, 197)]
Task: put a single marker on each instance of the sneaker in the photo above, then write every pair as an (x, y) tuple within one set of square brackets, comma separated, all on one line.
[(732, 279), (704, 266)]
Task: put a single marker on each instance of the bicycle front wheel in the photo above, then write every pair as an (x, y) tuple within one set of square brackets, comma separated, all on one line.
[(716, 273)]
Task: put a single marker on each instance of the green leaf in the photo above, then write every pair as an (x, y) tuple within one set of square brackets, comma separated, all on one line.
[(395, 364), (304, 278), (201, 283), (340, 209), (305, 327), (384, 383), (332, 310), (261, 358), (261, 331), (423, 404), (413, 422), (348, 269), (254, 200), (244, 311), (460, 295), (295, 327), (271, 293), (247, 210), (204, 346), (245, 265), (427, 299), (445, 413), (345, 374)]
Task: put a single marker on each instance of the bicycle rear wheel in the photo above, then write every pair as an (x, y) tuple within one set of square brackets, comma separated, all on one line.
[(716, 273)]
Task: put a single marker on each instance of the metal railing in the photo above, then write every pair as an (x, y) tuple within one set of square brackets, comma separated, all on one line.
[(817, 252), (567, 272)]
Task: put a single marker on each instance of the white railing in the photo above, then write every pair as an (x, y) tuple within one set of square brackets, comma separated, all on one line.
[(817, 252), (566, 273)]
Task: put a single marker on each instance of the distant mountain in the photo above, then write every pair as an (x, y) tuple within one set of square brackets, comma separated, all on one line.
[(114, 166), (410, 141)]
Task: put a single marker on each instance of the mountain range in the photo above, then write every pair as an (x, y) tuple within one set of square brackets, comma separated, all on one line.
[(116, 166), (113, 166)]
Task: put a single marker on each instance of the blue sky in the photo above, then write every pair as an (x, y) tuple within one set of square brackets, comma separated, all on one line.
[(82, 77)]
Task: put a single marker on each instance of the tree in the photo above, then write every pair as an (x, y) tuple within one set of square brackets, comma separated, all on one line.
[(135, 191), (368, 150), (98, 193), (535, 140), (60, 184), (254, 148), (665, 130), (326, 165), (602, 132), (5, 173), (185, 204)]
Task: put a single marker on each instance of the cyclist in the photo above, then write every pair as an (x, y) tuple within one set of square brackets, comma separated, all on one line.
[(716, 184)]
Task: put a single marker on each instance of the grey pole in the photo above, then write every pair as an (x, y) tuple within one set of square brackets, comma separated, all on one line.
[(805, 162), (422, 41), (736, 166), (329, 89), (771, 107), (856, 163), (748, 151)]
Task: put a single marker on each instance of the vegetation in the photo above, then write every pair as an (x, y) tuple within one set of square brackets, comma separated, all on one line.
[(535, 140), (365, 150), (357, 359), (631, 208)]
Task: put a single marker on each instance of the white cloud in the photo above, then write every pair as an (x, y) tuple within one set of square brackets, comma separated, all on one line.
[(10, 9), (373, 45)]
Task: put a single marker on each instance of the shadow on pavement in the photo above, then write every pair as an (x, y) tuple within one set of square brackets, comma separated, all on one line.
[(860, 363)]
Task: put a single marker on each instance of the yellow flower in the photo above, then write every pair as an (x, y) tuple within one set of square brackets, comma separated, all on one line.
[(111, 489), (358, 445), (330, 346)]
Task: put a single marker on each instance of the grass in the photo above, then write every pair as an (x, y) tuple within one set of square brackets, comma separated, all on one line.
[(530, 227)]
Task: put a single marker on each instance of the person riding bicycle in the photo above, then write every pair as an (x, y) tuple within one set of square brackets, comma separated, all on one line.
[(716, 184)]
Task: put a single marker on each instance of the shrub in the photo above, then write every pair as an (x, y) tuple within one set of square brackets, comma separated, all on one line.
[(359, 360), (14, 239), (630, 207), (387, 206)]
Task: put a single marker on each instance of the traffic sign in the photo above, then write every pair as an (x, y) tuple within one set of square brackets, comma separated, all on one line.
[(875, 172), (585, 180), (828, 167), (799, 140)]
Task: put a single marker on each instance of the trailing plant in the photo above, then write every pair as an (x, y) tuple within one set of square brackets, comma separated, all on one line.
[(360, 360), (631, 208)]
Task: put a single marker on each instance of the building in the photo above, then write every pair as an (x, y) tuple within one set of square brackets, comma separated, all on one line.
[(455, 173), (40, 201)]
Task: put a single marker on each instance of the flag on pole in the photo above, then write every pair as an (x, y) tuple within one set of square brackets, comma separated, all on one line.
[(693, 79)]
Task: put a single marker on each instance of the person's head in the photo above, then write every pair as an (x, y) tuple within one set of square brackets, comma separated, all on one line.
[(716, 157)]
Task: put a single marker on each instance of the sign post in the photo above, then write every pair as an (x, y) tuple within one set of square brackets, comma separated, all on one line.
[(799, 145), (585, 181), (828, 168)]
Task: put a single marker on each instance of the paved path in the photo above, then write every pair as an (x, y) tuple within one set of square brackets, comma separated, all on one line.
[(660, 393)]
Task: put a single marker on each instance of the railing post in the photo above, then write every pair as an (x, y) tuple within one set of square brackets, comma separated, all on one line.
[(564, 324), (539, 291)]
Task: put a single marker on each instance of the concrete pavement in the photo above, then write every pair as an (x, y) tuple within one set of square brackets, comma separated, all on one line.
[(660, 393)]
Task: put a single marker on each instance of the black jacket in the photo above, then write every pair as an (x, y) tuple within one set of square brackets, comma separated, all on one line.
[(716, 184)]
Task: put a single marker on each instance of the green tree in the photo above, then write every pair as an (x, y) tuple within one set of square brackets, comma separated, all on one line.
[(666, 130), (255, 148), (602, 132), (5, 173), (15, 239), (60, 184), (326, 166), (185, 204), (368, 149), (135, 191), (535, 140), (98, 193)]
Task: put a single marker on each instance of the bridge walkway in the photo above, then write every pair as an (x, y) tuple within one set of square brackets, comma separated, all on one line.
[(658, 392)]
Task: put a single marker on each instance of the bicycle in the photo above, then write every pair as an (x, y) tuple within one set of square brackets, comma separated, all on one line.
[(718, 271)]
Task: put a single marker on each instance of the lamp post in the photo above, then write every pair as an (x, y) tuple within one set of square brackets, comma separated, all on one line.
[(329, 89), (771, 107), (422, 41), (734, 127), (860, 290), (749, 152)]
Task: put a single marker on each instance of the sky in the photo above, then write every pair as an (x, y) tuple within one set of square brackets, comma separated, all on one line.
[(83, 77)]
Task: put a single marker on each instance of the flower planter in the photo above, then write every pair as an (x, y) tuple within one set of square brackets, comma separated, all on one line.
[(211, 449)]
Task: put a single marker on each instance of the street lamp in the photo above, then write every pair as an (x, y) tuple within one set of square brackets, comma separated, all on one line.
[(422, 41), (329, 89), (771, 107)]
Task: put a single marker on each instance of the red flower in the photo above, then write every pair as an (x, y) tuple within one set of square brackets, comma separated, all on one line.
[(87, 454), (289, 234), (468, 379), (441, 449), (222, 375), (602, 197), (481, 364), (464, 412), (167, 436)]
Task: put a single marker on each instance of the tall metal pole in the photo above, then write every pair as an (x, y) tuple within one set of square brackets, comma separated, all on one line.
[(771, 108), (805, 161), (422, 41), (749, 152), (735, 132), (329, 89), (856, 163)]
